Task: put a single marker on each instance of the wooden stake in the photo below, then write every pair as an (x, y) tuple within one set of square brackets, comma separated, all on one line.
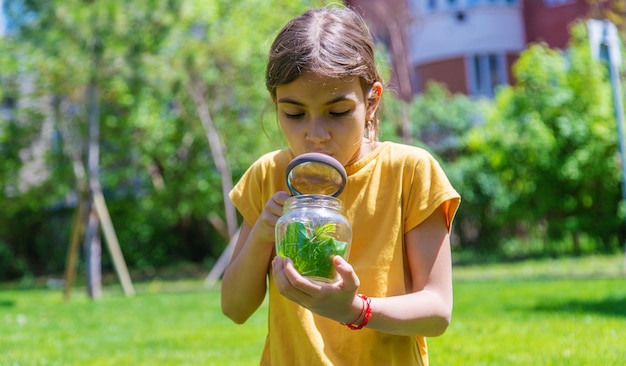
[(222, 262), (78, 228), (112, 243)]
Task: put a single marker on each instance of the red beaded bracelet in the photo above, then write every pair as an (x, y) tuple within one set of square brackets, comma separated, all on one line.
[(367, 309)]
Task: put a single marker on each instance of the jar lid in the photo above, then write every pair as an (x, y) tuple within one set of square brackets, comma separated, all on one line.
[(316, 173)]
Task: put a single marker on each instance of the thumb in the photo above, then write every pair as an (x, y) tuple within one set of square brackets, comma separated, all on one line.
[(346, 272)]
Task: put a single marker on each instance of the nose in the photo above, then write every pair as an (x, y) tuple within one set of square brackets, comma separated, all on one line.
[(317, 131)]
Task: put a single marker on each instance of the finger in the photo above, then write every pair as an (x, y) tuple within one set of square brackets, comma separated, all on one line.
[(280, 280), (280, 197), (275, 204), (278, 265), (285, 276), (349, 278), (299, 282), (273, 210)]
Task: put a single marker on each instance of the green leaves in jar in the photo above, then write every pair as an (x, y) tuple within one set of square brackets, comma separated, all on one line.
[(312, 249)]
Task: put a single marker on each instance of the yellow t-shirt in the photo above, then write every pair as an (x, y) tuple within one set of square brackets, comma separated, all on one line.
[(389, 192)]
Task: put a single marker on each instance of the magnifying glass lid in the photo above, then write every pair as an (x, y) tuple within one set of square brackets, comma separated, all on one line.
[(316, 173)]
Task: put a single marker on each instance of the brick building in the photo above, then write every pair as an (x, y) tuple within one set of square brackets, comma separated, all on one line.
[(469, 45)]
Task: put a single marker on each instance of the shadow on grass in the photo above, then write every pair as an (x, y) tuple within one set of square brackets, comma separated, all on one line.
[(610, 306), (5, 303)]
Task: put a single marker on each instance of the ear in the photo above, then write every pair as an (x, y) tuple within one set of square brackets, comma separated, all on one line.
[(373, 100)]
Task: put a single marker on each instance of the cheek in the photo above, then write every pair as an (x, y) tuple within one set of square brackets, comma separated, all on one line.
[(290, 130), (356, 128)]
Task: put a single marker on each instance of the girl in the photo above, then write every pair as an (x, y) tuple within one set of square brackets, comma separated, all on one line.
[(397, 288)]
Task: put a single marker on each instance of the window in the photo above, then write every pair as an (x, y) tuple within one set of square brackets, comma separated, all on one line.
[(486, 72), (554, 3), (471, 3)]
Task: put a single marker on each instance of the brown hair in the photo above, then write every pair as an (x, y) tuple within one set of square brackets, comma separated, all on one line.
[(331, 42)]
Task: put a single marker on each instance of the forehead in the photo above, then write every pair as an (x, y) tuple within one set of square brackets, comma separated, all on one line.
[(313, 86)]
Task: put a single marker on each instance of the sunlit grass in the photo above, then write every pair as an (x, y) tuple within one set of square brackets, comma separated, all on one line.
[(567, 267), (535, 322), (543, 312), (168, 327)]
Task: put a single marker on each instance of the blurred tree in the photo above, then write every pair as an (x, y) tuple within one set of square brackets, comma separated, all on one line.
[(552, 144), (177, 83), (441, 122)]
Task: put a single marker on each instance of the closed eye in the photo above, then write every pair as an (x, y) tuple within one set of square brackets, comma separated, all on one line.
[(293, 115), (340, 114)]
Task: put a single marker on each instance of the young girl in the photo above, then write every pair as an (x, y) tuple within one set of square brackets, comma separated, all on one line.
[(397, 288)]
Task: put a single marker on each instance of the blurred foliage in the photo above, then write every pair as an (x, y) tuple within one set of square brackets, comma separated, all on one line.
[(157, 171), (549, 151), (536, 167)]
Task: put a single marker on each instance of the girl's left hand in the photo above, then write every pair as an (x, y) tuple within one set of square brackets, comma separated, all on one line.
[(336, 301)]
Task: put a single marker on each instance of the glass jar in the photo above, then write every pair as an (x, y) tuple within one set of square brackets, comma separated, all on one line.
[(311, 231)]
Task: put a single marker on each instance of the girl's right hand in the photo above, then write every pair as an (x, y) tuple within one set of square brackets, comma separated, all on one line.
[(243, 283), (273, 210)]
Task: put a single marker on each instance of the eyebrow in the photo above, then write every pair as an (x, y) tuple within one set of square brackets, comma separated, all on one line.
[(340, 98)]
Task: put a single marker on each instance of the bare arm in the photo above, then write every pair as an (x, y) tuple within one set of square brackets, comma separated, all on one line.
[(244, 281), (428, 309), (425, 311)]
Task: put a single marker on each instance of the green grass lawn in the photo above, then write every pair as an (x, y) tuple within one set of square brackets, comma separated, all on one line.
[(164, 324), (559, 312)]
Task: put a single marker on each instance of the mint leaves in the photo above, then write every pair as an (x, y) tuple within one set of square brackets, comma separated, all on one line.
[(312, 249)]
